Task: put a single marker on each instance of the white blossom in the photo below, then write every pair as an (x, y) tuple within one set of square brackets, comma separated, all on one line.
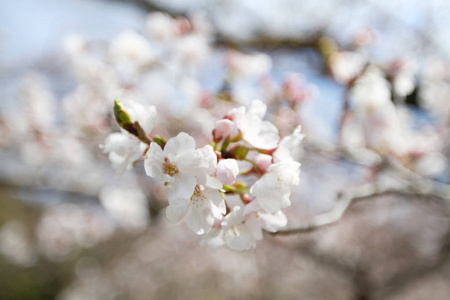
[(289, 146), (144, 115), (243, 226), (205, 205), (272, 191), (258, 133), (177, 165), (123, 149)]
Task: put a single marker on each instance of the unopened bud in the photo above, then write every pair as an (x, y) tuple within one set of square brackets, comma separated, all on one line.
[(122, 117), (160, 140), (222, 130), (239, 152)]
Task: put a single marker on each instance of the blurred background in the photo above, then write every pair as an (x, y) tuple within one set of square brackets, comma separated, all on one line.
[(369, 81)]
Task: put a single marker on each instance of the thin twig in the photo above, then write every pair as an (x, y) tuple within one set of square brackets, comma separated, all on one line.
[(364, 191)]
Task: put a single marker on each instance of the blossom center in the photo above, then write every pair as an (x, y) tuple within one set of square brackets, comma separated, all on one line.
[(198, 199), (169, 167)]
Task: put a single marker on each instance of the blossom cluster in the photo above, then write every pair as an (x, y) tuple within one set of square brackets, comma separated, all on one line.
[(230, 190)]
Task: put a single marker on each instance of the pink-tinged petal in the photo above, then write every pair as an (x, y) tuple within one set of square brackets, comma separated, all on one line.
[(180, 190), (199, 219), (223, 129), (178, 145), (227, 171), (175, 214), (153, 161), (263, 161)]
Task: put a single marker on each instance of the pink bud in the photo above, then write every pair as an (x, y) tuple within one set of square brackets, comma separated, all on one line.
[(223, 129), (227, 171), (231, 114)]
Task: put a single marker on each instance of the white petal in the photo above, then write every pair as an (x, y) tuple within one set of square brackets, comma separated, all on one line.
[(208, 159), (235, 217), (271, 193), (213, 239), (180, 190), (218, 207), (175, 214), (254, 225), (154, 160), (212, 182), (116, 142), (288, 171), (258, 108), (178, 145), (199, 219), (273, 222), (240, 238)]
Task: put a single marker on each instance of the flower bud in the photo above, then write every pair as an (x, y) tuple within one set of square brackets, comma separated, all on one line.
[(227, 171), (239, 152), (122, 117), (222, 130)]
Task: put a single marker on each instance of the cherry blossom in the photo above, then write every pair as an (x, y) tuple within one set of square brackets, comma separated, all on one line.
[(123, 149), (258, 133), (176, 165)]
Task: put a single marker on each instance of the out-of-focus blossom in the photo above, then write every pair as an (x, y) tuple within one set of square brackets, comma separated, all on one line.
[(403, 73), (66, 227), (296, 91), (345, 66), (128, 207), (160, 26), (248, 65), (15, 244), (130, 53), (431, 164), (39, 103)]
